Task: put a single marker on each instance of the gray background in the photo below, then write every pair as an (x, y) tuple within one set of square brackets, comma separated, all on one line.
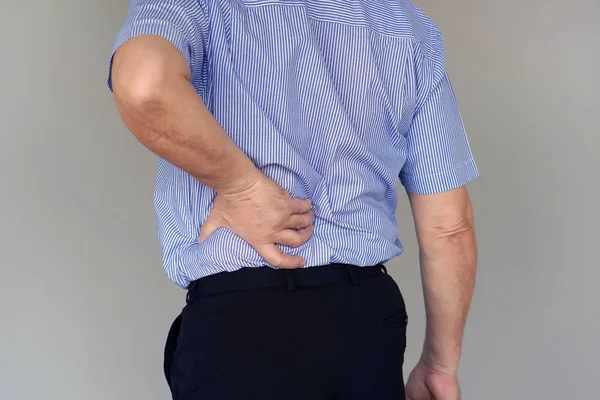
[(84, 304)]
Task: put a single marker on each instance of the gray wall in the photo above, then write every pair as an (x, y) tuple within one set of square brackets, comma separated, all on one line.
[(84, 304)]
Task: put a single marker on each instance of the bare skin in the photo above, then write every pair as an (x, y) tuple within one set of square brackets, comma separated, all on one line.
[(151, 83), (448, 253)]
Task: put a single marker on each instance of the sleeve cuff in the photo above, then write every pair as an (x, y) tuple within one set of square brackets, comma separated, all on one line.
[(150, 27), (441, 182)]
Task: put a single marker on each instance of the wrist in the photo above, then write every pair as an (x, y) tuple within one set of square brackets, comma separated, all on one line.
[(240, 180), (444, 361)]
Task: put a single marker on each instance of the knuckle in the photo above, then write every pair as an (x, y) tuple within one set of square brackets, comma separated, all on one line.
[(309, 219), (307, 232)]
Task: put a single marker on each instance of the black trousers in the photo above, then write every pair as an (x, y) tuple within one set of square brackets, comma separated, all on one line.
[(330, 332)]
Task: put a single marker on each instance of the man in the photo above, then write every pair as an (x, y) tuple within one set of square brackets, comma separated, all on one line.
[(282, 127)]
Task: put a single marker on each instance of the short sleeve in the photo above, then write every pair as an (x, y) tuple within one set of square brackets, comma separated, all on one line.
[(181, 22), (438, 154)]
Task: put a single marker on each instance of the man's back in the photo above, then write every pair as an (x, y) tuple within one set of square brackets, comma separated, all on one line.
[(332, 100), (288, 125)]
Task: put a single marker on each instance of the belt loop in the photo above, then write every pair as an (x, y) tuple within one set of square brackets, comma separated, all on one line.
[(321, 279), (188, 297), (384, 269), (352, 273), (290, 280)]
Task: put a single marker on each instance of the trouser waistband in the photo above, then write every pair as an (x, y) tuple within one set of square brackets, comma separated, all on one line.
[(266, 277)]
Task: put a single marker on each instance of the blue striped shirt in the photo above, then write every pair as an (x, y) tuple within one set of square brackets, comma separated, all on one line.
[(333, 99)]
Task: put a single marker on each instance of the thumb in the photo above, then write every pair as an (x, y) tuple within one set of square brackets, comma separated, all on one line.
[(208, 227)]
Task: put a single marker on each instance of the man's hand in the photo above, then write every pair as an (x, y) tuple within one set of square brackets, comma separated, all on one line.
[(263, 214), (429, 383)]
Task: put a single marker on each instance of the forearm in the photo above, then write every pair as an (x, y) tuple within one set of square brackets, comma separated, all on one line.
[(448, 264), (162, 109)]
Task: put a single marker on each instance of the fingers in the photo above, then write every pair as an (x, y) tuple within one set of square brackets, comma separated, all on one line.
[(292, 238), (416, 388), (300, 206), (420, 397), (299, 221), (277, 258)]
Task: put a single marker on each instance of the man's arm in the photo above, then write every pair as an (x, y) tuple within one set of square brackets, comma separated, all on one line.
[(158, 103), (448, 253), (438, 165), (152, 90)]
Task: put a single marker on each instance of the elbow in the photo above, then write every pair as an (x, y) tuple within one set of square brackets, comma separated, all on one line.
[(140, 97), (453, 229), (138, 84), (452, 226), (445, 224), (144, 70), (138, 91), (446, 240)]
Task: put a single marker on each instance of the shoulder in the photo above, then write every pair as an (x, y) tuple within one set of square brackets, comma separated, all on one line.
[(393, 20), (404, 19)]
